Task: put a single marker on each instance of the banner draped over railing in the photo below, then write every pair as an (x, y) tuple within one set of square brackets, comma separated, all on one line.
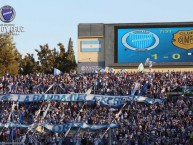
[(111, 101), (61, 128)]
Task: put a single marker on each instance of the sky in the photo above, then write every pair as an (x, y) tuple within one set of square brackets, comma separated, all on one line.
[(56, 21)]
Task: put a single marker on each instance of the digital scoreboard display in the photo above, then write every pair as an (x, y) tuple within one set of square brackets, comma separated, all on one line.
[(174, 44)]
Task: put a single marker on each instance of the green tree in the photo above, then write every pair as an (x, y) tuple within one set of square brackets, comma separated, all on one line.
[(29, 65), (71, 61), (51, 58), (61, 59), (10, 57), (47, 58)]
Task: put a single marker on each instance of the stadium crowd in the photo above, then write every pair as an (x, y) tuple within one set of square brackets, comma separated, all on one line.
[(165, 123)]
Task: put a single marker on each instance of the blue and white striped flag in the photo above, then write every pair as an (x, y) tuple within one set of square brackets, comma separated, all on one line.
[(90, 46), (57, 72)]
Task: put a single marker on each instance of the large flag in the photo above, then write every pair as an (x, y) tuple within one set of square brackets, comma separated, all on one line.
[(90, 46), (141, 67), (57, 72)]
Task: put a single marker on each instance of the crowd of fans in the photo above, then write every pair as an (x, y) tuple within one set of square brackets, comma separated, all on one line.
[(102, 83), (166, 123)]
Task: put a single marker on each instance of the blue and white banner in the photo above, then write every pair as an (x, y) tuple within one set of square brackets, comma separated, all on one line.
[(110, 101), (61, 128), (90, 46)]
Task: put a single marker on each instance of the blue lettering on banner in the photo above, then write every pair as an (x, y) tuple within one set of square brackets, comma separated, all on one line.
[(63, 98), (56, 97), (73, 97), (42, 98), (110, 101), (102, 99), (49, 97), (97, 98), (26, 99), (117, 101), (81, 97), (35, 97), (5, 97), (18, 98)]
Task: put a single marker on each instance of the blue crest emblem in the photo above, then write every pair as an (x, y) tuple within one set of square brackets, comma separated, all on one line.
[(7, 14), (140, 40)]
